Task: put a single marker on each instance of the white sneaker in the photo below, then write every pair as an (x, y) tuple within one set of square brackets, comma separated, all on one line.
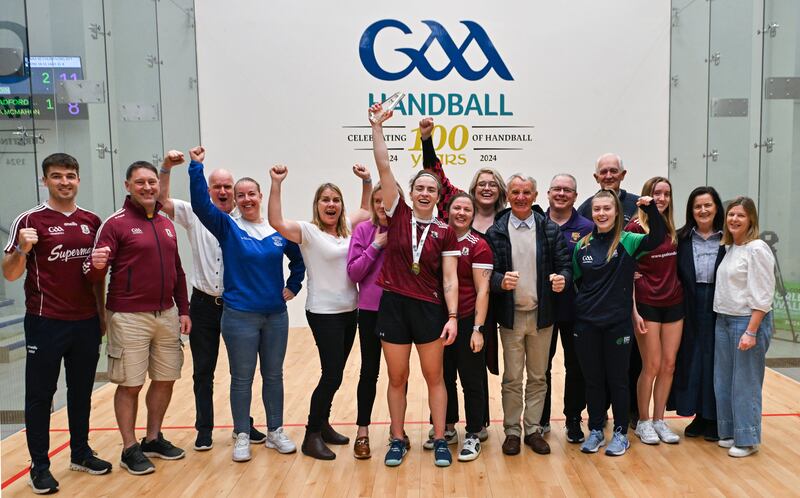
[(725, 443), (742, 451), (241, 448), (450, 436), (278, 440), (665, 433), (646, 432), (471, 448)]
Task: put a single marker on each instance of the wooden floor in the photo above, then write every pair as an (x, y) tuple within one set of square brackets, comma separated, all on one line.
[(693, 467)]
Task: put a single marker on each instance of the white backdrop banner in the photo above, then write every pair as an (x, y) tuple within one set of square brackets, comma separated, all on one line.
[(535, 87)]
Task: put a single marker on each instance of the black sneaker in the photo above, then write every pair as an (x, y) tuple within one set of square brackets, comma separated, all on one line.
[(256, 436), (91, 464), (43, 482), (203, 441), (161, 448), (134, 461), (574, 431)]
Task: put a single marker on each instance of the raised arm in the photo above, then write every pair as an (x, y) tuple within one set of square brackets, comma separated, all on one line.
[(362, 213), (17, 249), (658, 229), (212, 218), (381, 154), (431, 163), (288, 228), (171, 159)]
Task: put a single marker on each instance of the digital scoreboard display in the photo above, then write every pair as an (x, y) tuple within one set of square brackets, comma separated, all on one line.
[(34, 95)]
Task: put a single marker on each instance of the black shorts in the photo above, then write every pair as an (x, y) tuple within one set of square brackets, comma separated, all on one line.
[(660, 314), (406, 320)]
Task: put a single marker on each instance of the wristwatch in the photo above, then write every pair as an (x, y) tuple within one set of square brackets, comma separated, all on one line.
[(479, 328)]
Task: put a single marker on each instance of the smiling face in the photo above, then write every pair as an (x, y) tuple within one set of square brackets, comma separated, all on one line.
[(662, 194), (329, 207), (487, 190), (604, 213), (143, 187), (704, 209), (738, 223), (424, 195), (521, 196), (248, 200), (609, 173), (461, 214), (62, 183), (220, 189), (562, 193)]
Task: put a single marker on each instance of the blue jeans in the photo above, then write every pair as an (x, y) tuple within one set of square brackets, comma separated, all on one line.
[(738, 378), (249, 336)]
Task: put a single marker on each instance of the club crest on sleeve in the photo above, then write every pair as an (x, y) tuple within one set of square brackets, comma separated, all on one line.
[(465, 251), (277, 241), (169, 233)]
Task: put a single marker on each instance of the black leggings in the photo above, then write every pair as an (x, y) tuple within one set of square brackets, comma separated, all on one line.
[(604, 353), (370, 365), (471, 369), (574, 387), (334, 335)]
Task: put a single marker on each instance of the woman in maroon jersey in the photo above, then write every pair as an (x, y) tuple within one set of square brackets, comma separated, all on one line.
[(419, 275), (465, 356), (659, 301)]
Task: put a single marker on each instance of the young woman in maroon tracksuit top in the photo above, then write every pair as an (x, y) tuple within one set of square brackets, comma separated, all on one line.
[(659, 302)]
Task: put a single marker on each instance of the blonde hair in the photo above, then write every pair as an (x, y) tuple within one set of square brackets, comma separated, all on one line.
[(647, 189), (749, 207), (378, 187), (500, 203), (618, 220), (341, 223)]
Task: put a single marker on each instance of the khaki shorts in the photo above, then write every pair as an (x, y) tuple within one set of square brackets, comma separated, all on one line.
[(145, 342)]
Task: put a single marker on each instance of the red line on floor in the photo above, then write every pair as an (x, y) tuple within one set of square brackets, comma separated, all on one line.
[(27, 469), (385, 422)]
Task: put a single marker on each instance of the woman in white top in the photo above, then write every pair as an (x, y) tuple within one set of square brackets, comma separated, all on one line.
[(743, 303), (332, 301)]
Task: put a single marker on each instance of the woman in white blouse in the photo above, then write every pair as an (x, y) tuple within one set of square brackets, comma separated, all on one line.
[(332, 299), (743, 303)]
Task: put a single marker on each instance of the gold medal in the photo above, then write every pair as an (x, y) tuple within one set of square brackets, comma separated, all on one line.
[(415, 268)]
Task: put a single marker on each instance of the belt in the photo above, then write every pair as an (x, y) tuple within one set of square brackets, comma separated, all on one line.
[(206, 298)]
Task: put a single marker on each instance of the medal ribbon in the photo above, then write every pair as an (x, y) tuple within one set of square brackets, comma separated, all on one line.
[(416, 250)]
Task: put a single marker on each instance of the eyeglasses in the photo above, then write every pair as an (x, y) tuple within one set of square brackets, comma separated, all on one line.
[(487, 184), (565, 190)]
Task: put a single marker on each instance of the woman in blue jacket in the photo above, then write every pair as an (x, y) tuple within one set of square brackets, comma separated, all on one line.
[(255, 323)]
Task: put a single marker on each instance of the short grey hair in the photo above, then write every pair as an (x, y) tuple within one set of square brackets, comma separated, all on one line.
[(523, 177), (566, 175), (617, 157)]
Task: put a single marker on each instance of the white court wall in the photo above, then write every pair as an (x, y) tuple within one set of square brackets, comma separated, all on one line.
[(284, 82)]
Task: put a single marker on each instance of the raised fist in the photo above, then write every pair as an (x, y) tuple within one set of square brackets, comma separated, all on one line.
[(278, 173), (376, 113), (361, 171), (172, 158), (644, 200), (198, 154), (425, 128)]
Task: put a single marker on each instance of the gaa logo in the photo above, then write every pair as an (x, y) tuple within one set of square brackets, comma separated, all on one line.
[(58, 230), (366, 50)]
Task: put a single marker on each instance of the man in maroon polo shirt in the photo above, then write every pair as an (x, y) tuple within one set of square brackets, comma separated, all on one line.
[(148, 310), (63, 316)]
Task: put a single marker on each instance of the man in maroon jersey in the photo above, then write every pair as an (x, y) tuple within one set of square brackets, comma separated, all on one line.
[(148, 310), (64, 316)]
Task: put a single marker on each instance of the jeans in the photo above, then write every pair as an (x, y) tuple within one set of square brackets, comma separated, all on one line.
[(738, 378), (334, 335), (48, 341), (248, 337), (574, 387), (471, 369), (604, 353), (525, 349), (204, 342)]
